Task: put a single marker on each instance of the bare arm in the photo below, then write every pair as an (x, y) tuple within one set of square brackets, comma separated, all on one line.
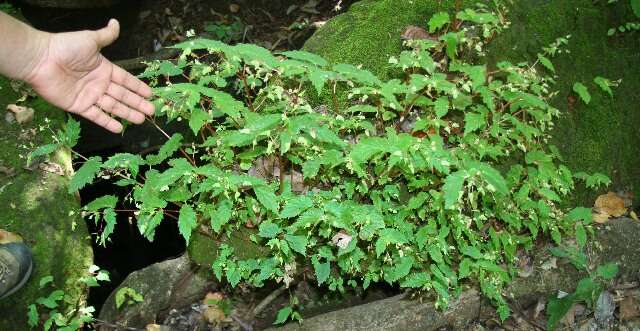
[(68, 70)]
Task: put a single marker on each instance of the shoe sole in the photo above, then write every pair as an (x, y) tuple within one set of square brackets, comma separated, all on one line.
[(22, 282)]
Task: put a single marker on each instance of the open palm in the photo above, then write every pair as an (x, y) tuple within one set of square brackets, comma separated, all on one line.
[(74, 76)]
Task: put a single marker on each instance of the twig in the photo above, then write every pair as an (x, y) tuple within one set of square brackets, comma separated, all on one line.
[(265, 302), (117, 326)]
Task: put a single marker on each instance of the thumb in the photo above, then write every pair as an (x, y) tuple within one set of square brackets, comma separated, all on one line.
[(108, 34)]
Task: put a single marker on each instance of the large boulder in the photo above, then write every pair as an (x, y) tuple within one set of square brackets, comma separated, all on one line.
[(164, 286), (36, 205), (599, 137)]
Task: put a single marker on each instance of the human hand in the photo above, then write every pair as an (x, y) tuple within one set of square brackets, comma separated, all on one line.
[(73, 75)]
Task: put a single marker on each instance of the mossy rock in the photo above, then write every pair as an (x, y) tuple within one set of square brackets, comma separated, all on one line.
[(37, 206), (599, 137)]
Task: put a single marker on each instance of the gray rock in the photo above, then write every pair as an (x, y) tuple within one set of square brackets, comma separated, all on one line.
[(164, 286)]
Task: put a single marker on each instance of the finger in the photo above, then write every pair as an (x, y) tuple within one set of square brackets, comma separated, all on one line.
[(120, 76), (108, 34), (111, 105), (95, 115), (130, 99)]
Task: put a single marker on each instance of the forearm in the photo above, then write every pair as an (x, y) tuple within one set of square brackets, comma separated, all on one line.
[(21, 47)]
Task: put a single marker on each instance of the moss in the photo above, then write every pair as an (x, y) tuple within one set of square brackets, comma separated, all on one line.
[(599, 137), (204, 250), (37, 206)]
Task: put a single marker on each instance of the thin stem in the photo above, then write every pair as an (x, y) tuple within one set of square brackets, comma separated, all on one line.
[(247, 90), (192, 161)]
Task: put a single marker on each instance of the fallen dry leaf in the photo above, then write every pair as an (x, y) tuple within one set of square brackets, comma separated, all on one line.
[(599, 216), (629, 308), (234, 8), (156, 327), (22, 114), (341, 239), (551, 263), (214, 315), (607, 206), (413, 32)]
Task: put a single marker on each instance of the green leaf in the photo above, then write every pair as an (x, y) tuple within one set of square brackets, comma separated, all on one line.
[(582, 91), (307, 57), (106, 201), (581, 235), (166, 151), (607, 271), (267, 198), (474, 121), (283, 315), (127, 294), (546, 62), (132, 162), (51, 301), (198, 119), (438, 20), (45, 280), (635, 6), (187, 221), (604, 84), (296, 206), (220, 215), (41, 151), (268, 230), (472, 251), (322, 270), (32, 315), (85, 174), (441, 106), (297, 243), (452, 188)]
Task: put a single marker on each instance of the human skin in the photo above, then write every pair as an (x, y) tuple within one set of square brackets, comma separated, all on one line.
[(68, 70)]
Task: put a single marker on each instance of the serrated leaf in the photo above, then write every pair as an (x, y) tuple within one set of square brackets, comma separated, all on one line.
[(322, 270), (107, 201), (268, 230), (85, 174), (441, 106), (220, 215), (582, 91), (297, 243), (42, 151), (187, 221), (166, 151), (296, 206), (267, 198), (307, 57), (546, 62), (474, 121), (132, 162), (472, 251), (452, 188), (198, 119), (438, 20)]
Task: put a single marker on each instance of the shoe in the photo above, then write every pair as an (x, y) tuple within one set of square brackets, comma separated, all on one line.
[(16, 265)]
